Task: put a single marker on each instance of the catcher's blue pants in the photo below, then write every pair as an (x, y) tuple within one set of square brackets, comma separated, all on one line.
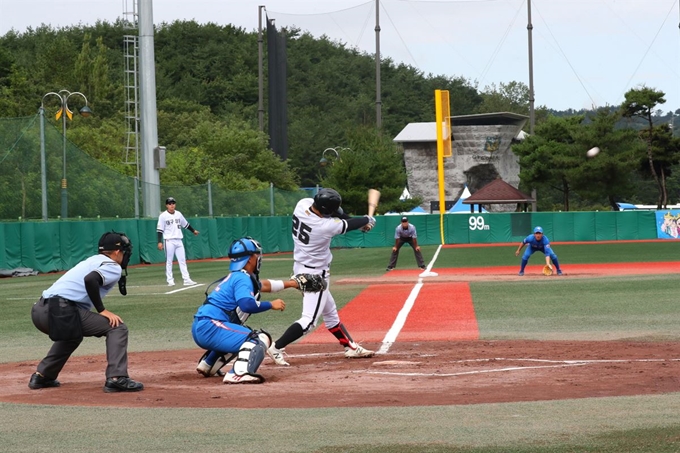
[(219, 336)]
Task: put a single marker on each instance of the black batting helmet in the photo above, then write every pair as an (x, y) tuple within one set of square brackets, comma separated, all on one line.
[(327, 201)]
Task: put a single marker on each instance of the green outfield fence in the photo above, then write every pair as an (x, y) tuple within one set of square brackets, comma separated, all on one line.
[(59, 245)]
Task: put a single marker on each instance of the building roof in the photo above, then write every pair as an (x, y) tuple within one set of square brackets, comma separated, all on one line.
[(498, 192), (427, 132)]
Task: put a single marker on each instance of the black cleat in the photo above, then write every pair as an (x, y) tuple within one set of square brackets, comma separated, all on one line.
[(38, 381), (122, 384), (389, 269)]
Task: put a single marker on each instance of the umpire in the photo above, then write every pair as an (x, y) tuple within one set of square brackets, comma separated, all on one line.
[(405, 233), (64, 312)]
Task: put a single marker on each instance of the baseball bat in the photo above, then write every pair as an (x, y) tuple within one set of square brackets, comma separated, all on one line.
[(373, 199)]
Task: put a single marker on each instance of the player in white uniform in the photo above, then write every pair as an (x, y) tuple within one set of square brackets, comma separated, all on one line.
[(315, 222), (169, 228)]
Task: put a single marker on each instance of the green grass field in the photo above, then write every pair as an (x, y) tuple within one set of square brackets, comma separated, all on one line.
[(640, 308)]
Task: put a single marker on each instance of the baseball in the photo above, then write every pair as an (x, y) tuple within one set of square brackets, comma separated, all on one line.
[(592, 152)]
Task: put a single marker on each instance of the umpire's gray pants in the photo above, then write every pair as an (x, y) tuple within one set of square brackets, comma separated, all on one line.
[(94, 325), (395, 255)]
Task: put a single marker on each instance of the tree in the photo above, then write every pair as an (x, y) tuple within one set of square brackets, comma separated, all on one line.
[(554, 158), (641, 102), (666, 150), (506, 97), (370, 161), (548, 157), (609, 175)]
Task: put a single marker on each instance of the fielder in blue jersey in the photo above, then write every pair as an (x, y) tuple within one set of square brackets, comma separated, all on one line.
[(218, 323), (537, 242)]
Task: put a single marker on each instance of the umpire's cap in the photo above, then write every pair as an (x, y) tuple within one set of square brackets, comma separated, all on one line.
[(113, 241), (538, 230), (170, 200)]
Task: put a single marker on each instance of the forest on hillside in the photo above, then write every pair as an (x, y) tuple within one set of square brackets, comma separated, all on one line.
[(207, 100)]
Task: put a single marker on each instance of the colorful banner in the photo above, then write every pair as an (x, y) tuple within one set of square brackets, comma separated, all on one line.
[(668, 224)]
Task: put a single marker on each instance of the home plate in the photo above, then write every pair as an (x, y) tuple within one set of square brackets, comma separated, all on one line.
[(428, 274)]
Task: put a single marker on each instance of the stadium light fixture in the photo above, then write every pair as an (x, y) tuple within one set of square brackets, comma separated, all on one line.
[(325, 161), (64, 112)]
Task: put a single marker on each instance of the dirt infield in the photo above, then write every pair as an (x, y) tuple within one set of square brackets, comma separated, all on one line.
[(412, 373)]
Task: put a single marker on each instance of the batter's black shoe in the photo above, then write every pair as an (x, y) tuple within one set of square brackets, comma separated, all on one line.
[(122, 384), (389, 269), (38, 381)]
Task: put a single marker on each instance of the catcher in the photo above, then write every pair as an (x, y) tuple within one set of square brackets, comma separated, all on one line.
[(219, 323), (538, 243)]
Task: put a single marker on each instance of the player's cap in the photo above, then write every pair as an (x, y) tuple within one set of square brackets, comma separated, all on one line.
[(404, 219), (538, 230), (170, 200)]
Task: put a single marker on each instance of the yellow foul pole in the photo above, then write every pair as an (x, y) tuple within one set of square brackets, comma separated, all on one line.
[(443, 124)]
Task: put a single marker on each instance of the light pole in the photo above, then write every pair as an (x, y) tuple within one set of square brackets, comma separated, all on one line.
[(62, 113), (324, 160)]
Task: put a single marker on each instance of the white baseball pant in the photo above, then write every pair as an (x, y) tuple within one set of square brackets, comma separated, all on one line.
[(175, 247)]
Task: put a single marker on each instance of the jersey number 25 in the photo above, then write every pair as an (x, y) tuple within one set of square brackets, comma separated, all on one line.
[(301, 230)]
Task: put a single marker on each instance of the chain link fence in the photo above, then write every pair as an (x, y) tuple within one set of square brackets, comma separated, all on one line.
[(32, 169)]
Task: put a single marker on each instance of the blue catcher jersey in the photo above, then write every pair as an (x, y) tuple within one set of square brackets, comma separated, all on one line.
[(224, 298)]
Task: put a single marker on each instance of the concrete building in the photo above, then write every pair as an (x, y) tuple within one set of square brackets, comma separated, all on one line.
[(481, 153)]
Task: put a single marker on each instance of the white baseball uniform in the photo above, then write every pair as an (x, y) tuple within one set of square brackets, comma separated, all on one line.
[(312, 237), (171, 225)]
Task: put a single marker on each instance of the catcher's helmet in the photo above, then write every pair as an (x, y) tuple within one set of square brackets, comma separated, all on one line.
[(538, 229), (240, 251), (327, 201)]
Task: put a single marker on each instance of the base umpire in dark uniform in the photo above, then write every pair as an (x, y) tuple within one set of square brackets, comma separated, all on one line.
[(64, 312), (405, 233)]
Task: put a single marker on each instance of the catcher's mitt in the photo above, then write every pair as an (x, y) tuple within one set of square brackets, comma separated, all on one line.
[(547, 269), (310, 283)]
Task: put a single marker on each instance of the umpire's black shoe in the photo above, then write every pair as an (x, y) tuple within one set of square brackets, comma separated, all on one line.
[(122, 384), (38, 381)]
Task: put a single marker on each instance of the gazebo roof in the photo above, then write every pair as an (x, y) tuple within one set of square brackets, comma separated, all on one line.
[(498, 192)]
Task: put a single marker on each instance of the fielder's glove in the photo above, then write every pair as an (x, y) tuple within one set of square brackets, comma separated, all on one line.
[(310, 283), (369, 226), (547, 269)]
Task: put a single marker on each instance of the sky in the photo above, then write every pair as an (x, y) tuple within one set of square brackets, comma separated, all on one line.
[(586, 53)]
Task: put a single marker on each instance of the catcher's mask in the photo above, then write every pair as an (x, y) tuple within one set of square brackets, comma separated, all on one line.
[(327, 201), (118, 241), (240, 251)]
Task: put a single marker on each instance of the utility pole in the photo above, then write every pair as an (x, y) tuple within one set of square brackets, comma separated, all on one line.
[(532, 119), (260, 71), (378, 101)]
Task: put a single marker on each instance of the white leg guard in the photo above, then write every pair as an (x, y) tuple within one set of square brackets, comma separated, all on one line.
[(250, 356), (264, 338)]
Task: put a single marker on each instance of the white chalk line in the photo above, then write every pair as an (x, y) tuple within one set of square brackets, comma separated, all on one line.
[(556, 364), (567, 361), (400, 320), (462, 373), (553, 364)]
